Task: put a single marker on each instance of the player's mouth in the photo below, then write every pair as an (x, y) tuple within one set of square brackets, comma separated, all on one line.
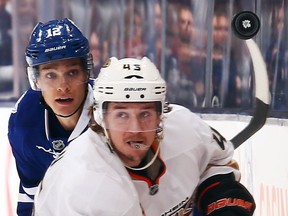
[(138, 145), (64, 101)]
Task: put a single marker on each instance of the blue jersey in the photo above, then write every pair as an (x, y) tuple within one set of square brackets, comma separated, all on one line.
[(36, 138)]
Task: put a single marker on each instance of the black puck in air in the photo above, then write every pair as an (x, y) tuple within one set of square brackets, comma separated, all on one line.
[(245, 25)]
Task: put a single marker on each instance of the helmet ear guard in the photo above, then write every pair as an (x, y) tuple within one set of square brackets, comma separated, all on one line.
[(97, 113), (32, 73)]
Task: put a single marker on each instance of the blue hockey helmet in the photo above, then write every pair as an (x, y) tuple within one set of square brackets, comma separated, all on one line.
[(53, 41), (56, 40)]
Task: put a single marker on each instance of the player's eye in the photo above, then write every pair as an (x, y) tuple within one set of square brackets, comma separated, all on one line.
[(50, 75), (73, 73), (122, 115), (145, 114)]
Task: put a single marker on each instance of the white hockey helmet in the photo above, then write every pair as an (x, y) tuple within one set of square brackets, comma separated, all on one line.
[(128, 80)]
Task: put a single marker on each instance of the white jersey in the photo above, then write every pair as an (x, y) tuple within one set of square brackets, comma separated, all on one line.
[(87, 179), (187, 151), (99, 184)]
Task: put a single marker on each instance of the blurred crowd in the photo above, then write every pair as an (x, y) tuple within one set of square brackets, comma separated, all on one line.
[(204, 64)]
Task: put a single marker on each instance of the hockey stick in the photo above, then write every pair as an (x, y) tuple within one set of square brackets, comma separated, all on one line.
[(262, 96)]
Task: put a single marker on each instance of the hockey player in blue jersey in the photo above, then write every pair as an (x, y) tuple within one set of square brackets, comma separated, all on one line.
[(54, 111)]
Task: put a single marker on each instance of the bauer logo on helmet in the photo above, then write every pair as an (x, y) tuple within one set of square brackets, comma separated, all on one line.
[(135, 89), (55, 48)]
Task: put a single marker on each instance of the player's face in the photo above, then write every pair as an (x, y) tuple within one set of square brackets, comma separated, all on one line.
[(130, 123), (63, 85), (158, 18)]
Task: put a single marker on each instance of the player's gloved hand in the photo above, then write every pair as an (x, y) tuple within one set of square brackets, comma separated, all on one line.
[(221, 195)]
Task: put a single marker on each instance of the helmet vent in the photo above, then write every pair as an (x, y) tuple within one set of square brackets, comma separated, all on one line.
[(160, 90), (106, 90)]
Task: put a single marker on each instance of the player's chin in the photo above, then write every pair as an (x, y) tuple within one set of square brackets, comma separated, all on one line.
[(135, 154), (133, 161)]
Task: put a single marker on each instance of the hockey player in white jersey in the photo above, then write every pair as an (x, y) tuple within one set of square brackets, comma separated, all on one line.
[(177, 163)]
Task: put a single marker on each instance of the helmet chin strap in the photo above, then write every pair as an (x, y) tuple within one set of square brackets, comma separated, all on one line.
[(108, 142), (159, 138), (141, 147), (148, 164)]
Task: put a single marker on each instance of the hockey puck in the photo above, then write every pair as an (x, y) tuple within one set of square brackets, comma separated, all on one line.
[(245, 25)]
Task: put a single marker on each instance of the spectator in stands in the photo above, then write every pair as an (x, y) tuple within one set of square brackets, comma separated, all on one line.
[(275, 59), (5, 35), (188, 64), (135, 45), (225, 78), (154, 49)]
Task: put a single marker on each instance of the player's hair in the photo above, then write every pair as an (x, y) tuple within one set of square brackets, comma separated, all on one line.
[(93, 124), (53, 41)]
